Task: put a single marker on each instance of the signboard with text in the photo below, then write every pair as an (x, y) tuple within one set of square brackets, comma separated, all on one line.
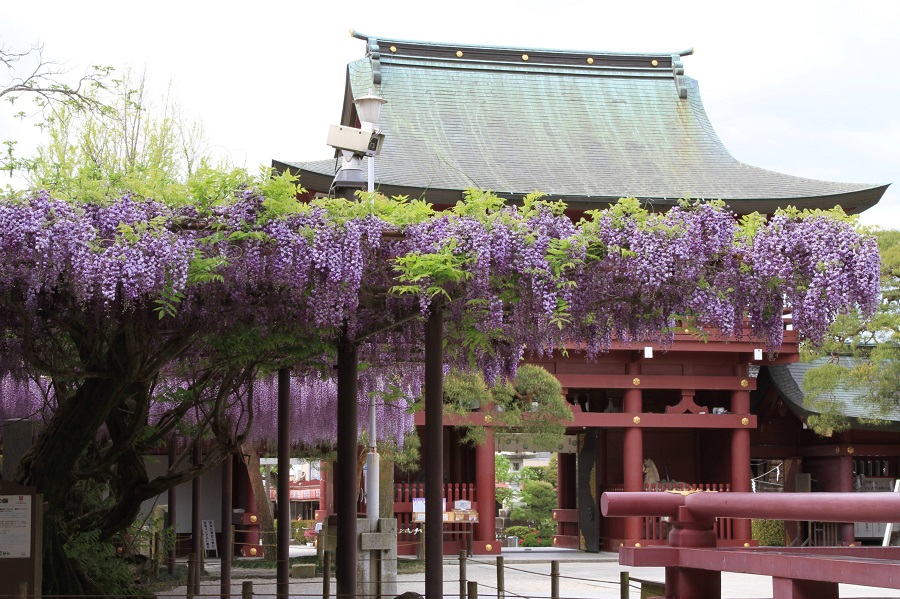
[(15, 526), (21, 529)]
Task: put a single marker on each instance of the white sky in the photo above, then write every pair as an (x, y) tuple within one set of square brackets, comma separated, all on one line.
[(809, 88)]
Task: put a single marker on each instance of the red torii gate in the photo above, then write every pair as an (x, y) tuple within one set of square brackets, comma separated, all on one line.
[(694, 566)]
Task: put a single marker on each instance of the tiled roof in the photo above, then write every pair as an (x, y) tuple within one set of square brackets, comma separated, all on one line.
[(587, 128), (852, 403)]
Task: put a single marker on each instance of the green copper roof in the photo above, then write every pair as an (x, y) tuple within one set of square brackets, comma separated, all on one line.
[(585, 127)]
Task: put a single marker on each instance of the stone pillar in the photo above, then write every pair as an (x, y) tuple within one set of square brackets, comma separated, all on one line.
[(740, 454), (633, 449)]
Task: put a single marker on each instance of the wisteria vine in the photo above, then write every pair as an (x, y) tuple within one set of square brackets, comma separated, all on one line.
[(508, 277)]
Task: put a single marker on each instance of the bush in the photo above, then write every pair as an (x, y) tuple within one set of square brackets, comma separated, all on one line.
[(518, 531), (769, 533), (532, 539)]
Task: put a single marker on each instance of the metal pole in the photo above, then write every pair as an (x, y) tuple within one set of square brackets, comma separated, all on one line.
[(501, 583), (434, 458), (554, 579), (462, 574), (283, 532), (227, 538), (347, 492)]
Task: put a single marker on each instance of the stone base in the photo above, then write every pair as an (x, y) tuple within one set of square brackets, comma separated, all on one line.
[(303, 571)]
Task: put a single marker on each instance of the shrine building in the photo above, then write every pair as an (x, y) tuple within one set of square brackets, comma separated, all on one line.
[(589, 128)]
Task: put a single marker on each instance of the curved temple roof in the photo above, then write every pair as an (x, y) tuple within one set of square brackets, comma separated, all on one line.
[(584, 127)]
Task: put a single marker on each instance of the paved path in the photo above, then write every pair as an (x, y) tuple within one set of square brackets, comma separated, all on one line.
[(527, 574)]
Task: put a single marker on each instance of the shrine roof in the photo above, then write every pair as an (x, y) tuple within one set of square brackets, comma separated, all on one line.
[(851, 402), (585, 127)]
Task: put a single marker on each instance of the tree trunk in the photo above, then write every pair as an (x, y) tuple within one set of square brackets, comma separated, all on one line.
[(263, 505)]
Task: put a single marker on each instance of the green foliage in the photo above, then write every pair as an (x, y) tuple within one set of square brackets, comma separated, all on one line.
[(539, 499), (533, 539), (518, 531), (769, 533), (100, 563), (860, 356), (533, 405), (463, 393)]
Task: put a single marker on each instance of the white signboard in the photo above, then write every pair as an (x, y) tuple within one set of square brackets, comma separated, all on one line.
[(15, 526), (209, 536)]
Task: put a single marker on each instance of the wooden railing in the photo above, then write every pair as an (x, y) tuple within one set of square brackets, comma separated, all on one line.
[(409, 535)]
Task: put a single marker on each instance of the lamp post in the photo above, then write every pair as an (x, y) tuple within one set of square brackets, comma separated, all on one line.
[(354, 144), (368, 108)]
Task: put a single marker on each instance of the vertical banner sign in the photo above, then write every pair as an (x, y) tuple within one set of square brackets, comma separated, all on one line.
[(15, 526)]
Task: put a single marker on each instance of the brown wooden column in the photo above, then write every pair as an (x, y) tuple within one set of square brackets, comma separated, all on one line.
[(346, 491), (196, 523), (485, 529), (226, 551), (633, 450), (846, 530), (283, 494), (740, 453), (171, 514), (434, 458)]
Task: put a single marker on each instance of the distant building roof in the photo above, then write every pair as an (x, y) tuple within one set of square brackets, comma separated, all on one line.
[(584, 127), (851, 402)]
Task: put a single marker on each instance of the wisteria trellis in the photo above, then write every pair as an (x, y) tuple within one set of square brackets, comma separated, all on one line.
[(508, 277)]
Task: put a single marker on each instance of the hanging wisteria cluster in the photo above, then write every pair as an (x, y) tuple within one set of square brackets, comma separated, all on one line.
[(508, 278)]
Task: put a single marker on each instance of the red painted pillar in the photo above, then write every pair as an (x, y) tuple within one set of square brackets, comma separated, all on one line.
[(633, 451), (484, 533), (846, 532), (692, 583), (740, 453)]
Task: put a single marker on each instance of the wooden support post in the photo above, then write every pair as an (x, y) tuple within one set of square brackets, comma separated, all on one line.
[(247, 589), (171, 520), (434, 453), (501, 584), (283, 532), (196, 523), (227, 504), (346, 493), (624, 584), (554, 579), (473, 590), (462, 574), (633, 447), (192, 576)]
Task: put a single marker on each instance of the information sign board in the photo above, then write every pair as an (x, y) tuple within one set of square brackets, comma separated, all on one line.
[(15, 526)]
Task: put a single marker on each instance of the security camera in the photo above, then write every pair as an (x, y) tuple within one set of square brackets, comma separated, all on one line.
[(358, 141)]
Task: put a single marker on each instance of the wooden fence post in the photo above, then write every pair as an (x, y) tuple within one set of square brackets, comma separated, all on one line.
[(247, 589), (462, 574), (473, 589), (501, 590), (191, 575), (624, 583), (554, 579)]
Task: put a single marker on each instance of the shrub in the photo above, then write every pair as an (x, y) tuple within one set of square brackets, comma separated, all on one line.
[(518, 531), (769, 533), (532, 539)]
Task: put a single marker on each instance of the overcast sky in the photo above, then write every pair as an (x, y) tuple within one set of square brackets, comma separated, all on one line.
[(806, 88)]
